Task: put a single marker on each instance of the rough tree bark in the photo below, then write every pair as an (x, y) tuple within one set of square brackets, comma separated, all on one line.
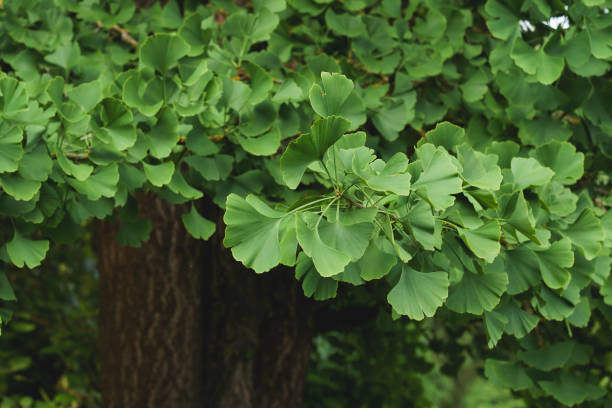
[(183, 325)]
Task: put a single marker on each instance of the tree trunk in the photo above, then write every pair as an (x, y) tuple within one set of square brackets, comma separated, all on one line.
[(183, 325)]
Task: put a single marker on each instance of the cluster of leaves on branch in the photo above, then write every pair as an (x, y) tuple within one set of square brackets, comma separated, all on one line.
[(466, 161)]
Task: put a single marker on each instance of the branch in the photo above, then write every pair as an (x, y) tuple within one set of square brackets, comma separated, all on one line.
[(125, 35)]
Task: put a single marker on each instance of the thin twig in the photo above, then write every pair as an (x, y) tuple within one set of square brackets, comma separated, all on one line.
[(125, 35)]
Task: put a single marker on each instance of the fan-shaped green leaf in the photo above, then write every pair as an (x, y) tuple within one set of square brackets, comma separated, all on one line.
[(520, 323), (556, 355), (476, 293), (102, 183), (506, 374), (36, 164), (447, 135), (562, 159), (439, 177), (10, 147), (313, 283), (528, 172), (79, 171), (547, 68), (586, 233), (329, 100), (375, 263), (571, 390), (164, 135), (23, 251), (554, 262), (14, 98), (6, 291), (310, 148), (495, 323), (327, 260), (217, 167), (113, 123), (418, 294), (479, 170), (252, 232), (423, 226), (523, 269), (198, 226), (18, 187), (159, 174), (264, 145), (345, 24), (163, 51), (483, 241)]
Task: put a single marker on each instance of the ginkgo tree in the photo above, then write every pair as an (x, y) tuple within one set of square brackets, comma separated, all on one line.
[(436, 148)]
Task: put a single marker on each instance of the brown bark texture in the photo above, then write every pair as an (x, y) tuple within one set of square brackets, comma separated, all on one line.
[(184, 325)]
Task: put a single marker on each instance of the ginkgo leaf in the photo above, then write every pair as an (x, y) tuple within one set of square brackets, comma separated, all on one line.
[(418, 294), (80, 171), (329, 100), (519, 322), (393, 176), (328, 261), (102, 183), (554, 263), (23, 251), (556, 355), (503, 24), (351, 238), (6, 291), (571, 390), (14, 98), (476, 293), (217, 167), (375, 263), (484, 240), (447, 135), (312, 282), (18, 187), (163, 51), (113, 123), (87, 95), (252, 232), (10, 147), (547, 68), (198, 226), (495, 323), (179, 185), (422, 224), (159, 174), (529, 172), (563, 159), (518, 214), (311, 147), (479, 170), (506, 374), (439, 177), (345, 24), (586, 233), (523, 269), (264, 145)]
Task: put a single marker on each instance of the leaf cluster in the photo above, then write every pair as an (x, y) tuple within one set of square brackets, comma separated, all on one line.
[(458, 153)]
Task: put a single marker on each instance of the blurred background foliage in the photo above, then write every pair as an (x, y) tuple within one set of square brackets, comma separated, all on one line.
[(48, 352)]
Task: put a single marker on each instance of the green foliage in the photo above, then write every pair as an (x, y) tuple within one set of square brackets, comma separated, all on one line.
[(475, 186)]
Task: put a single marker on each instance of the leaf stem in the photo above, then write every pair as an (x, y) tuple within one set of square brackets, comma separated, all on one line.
[(308, 204), (324, 211)]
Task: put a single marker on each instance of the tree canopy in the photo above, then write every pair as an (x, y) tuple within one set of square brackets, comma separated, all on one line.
[(460, 152)]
